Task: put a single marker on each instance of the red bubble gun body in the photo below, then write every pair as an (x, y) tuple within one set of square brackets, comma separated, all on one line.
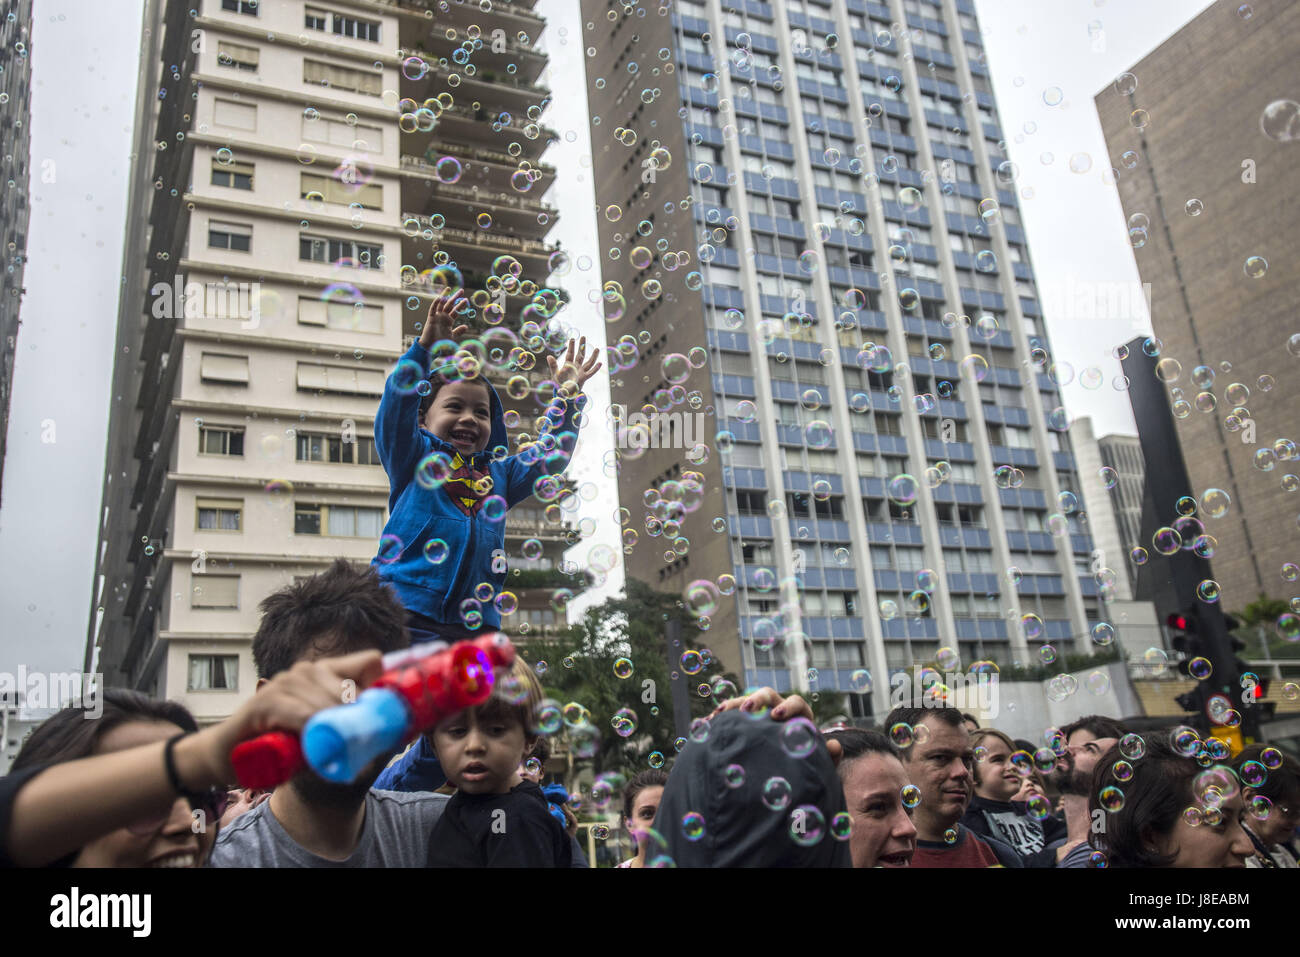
[(416, 691)]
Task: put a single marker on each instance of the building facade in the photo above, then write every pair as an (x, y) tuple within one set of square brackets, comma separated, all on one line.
[(810, 238), (1203, 139), (309, 173), (15, 202)]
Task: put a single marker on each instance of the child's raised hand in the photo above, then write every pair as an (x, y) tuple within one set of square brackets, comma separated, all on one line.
[(576, 367), (442, 312)]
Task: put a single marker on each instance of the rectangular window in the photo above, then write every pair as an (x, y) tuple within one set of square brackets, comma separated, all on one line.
[(218, 367), (319, 73), (233, 175), (322, 249), (234, 236), (237, 56), (219, 515), (331, 190), (340, 132), (342, 379), (344, 521), (214, 673), (348, 316), (356, 28), (214, 591), (236, 116), (246, 7), (216, 440), (316, 19), (328, 448)]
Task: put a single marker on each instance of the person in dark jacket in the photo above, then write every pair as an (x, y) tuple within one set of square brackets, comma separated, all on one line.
[(755, 793), (1008, 804), (496, 818), (442, 440)]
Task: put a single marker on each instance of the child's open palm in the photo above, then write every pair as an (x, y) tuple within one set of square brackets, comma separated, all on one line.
[(442, 312), (576, 367)]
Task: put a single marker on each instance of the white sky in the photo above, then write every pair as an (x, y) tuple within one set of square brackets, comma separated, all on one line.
[(85, 64)]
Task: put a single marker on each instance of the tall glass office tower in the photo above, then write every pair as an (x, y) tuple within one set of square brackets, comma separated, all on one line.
[(811, 241)]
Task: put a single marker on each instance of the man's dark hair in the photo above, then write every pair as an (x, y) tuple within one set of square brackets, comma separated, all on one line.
[(1099, 726), (1283, 782), (1155, 797), (68, 736), (857, 743), (965, 716), (343, 609), (912, 717), (653, 778)]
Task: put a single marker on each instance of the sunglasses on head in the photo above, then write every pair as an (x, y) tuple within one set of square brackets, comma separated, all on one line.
[(211, 803)]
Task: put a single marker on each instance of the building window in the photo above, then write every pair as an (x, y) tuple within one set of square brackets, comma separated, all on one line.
[(318, 73), (233, 175), (332, 190), (234, 236), (215, 440), (246, 7), (214, 591), (345, 521), (342, 379), (351, 316), (237, 116), (329, 448), (356, 28), (218, 367), (214, 673), (316, 19), (340, 132), (322, 249), (219, 515), (237, 56)]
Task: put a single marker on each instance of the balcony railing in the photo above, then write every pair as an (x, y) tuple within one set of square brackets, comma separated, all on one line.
[(478, 152), (480, 195), (486, 238)]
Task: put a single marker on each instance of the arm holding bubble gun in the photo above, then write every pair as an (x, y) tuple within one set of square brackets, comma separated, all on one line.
[(416, 691)]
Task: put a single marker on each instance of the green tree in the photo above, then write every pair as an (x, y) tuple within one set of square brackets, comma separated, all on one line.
[(580, 669)]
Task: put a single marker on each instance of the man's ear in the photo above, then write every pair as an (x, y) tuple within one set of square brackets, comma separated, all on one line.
[(261, 683)]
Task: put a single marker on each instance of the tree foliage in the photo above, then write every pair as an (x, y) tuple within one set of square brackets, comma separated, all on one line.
[(580, 668)]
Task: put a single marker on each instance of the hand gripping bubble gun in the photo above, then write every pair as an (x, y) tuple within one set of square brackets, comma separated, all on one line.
[(417, 690)]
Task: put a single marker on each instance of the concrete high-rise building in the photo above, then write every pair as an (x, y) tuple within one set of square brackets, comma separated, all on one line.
[(15, 204), (302, 171), (821, 297), (1201, 132), (1110, 474)]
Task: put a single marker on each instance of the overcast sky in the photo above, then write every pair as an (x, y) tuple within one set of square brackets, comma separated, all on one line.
[(85, 64)]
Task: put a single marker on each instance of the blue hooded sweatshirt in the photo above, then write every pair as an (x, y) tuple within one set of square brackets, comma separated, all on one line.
[(421, 511)]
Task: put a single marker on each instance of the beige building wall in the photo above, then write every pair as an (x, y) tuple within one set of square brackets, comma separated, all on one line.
[(1204, 91)]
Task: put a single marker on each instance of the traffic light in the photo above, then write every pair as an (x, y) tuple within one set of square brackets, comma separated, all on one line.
[(1185, 640)]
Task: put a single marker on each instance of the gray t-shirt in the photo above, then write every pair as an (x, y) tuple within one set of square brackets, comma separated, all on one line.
[(395, 834)]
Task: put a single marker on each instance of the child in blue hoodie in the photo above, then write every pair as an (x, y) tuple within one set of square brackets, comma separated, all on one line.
[(451, 481), (450, 484)]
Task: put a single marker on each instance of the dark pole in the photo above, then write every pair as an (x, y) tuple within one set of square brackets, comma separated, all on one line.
[(1166, 482)]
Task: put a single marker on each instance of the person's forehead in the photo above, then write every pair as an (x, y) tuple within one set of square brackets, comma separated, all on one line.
[(135, 733), (873, 772), (1079, 737), (944, 735), (649, 797), (473, 389), (994, 746)]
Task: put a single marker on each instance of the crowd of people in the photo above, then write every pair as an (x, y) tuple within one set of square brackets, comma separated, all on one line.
[(758, 785)]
